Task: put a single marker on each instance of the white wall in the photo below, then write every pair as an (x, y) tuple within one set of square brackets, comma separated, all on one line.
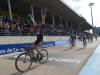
[(28, 39)]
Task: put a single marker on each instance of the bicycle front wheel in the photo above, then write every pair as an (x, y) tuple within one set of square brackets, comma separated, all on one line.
[(43, 56), (23, 62)]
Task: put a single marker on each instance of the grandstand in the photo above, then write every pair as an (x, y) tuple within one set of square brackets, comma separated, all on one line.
[(23, 17)]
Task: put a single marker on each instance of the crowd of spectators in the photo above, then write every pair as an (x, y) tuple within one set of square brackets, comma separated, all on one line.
[(54, 30), (18, 26)]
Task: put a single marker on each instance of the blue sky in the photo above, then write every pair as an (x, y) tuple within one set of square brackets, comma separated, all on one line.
[(83, 9)]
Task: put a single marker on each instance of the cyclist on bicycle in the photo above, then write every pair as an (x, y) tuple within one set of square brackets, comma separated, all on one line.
[(72, 40), (84, 39), (36, 46)]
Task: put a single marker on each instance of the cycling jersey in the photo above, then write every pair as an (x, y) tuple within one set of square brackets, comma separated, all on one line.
[(39, 39)]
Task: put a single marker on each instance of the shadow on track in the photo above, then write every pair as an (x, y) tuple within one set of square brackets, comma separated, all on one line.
[(67, 49), (19, 73), (79, 49)]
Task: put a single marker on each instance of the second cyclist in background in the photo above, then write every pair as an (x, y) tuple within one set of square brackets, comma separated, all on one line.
[(72, 40), (84, 39)]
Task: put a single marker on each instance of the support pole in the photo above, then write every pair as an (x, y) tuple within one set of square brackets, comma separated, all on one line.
[(9, 9), (67, 29), (43, 16), (61, 21), (32, 12), (53, 20)]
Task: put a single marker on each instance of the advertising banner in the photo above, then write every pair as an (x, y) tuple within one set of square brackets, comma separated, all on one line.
[(61, 43), (11, 48)]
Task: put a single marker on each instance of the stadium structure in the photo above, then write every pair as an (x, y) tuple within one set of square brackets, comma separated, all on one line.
[(22, 17)]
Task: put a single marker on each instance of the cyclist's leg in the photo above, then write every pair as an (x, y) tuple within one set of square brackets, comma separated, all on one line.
[(84, 42), (74, 44), (70, 42)]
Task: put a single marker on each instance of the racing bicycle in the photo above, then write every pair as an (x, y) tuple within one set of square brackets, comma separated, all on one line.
[(24, 60)]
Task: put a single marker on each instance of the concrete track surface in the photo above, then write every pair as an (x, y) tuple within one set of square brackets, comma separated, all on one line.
[(62, 61)]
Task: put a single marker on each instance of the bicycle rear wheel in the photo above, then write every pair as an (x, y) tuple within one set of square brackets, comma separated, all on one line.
[(84, 44), (23, 62), (43, 56)]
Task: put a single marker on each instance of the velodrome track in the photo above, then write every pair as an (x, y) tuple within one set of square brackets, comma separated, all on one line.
[(62, 61)]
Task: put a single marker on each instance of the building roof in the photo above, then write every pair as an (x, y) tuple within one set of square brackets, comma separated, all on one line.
[(56, 7)]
